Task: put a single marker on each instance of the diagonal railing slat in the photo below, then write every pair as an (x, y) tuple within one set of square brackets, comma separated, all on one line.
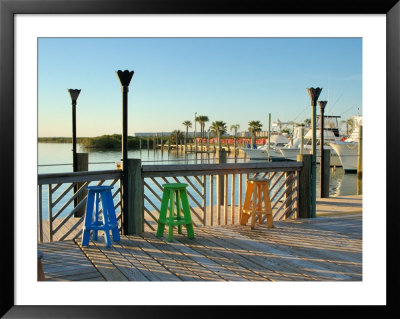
[(61, 196)]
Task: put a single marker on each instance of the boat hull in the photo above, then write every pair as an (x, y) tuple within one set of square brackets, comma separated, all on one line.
[(262, 154), (348, 154), (291, 154)]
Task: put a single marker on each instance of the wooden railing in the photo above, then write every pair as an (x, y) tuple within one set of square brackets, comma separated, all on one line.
[(216, 194), (57, 192), (216, 191)]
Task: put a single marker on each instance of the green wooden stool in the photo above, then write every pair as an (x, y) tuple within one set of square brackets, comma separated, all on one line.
[(179, 190)]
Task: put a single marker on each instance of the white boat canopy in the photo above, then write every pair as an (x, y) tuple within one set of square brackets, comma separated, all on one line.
[(279, 139), (328, 135)]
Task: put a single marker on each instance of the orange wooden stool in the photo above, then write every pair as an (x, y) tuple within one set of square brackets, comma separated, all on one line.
[(257, 194)]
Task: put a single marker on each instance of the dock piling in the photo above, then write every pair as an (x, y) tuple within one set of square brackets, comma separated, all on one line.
[(359, 163)]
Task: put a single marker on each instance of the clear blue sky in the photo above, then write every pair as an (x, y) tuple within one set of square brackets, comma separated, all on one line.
[(235, 80)]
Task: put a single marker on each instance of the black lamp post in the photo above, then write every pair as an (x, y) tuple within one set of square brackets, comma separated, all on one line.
[(314, 94), (322, 105), (74, 93), (125, 78)]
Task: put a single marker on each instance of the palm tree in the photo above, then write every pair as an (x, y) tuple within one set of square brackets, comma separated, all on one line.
[(176, 135), (202, 119), (254, 127), (188, 125), (234, 127), (218, 126)]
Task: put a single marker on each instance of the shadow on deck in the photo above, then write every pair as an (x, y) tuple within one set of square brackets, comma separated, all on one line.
[(327, 248)]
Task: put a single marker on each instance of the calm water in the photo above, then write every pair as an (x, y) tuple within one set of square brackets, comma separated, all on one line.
[(57, 157)]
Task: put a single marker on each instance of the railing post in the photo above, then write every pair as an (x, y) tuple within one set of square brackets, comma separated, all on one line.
[(40, 213), (305, 202), (221, 155), (50, 212), (325, 173), (135, 194), (81, 165)]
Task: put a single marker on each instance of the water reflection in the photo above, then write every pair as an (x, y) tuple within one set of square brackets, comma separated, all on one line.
[(50, 154)]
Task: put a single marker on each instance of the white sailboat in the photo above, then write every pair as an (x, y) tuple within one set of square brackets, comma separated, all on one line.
[(347, 150)]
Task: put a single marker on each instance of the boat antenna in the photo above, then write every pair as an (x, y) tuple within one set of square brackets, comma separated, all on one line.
[(331, 110)]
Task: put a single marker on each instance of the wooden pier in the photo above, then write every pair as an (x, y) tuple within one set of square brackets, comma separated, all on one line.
[(326, 248)]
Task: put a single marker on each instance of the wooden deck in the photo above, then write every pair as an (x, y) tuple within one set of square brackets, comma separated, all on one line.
[(326, 248)]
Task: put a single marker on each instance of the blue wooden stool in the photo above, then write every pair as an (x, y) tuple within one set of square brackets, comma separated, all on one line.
[(92, 223)]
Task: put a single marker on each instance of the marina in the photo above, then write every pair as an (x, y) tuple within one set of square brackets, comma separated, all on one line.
[(221, 205)]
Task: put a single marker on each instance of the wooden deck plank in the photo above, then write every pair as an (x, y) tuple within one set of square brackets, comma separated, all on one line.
[(134, 260), (171, 259), (159, 257), (318, 254), (102, 263), (273, 267), (297, 265), (193, 259), (317, 248), (213, 268), (64, 260), (120, 261), (225, 266), (245, 258), (84, 276), (143, 261)]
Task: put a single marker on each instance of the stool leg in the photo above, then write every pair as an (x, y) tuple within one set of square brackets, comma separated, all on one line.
[(171, 217), (244, 217), (163, 214), (259, 206), (178, 211), (268, 208), (186, 213), (253, 207), (106, 220), (88, 219), (96, 215), (112, 217)]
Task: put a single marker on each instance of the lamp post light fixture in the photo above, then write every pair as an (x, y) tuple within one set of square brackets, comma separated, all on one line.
[(314, 95), (74, 93), (322, 105), (125, 78)]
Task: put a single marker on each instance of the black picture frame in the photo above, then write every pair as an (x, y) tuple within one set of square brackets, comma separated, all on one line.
[(8, 10)]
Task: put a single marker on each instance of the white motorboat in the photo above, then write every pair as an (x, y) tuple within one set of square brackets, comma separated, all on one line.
[(331, 133), (347, 149), (266, 152)]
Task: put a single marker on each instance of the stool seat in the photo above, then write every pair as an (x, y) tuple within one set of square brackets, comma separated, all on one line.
[(100, 188), (92, 223), (181, 203), (175, 186), (257, 202)]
